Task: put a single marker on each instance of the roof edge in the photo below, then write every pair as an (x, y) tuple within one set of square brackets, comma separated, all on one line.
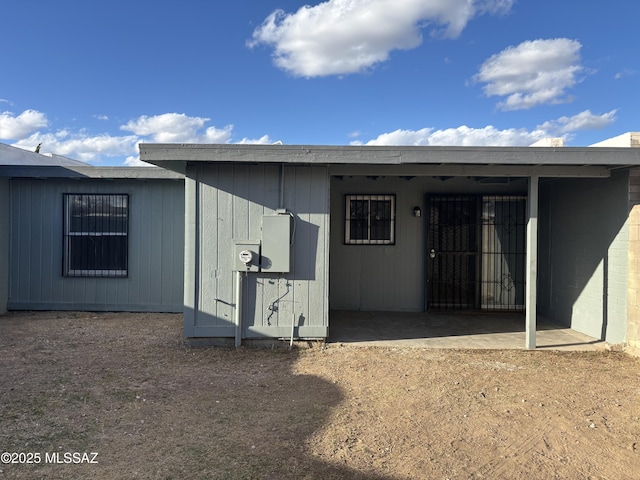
[(177, 156), (89, 172)]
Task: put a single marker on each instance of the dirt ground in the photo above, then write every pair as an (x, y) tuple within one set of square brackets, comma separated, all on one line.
[(125, 386)]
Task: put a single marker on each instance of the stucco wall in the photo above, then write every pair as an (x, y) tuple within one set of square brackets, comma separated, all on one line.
[(156, 239), (4, 244), (225, 204), (583, 255)]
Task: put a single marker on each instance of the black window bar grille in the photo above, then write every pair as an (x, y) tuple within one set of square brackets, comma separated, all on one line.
[(369, 219), (96, 232)]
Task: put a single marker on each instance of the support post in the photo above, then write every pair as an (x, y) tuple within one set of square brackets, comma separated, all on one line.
[(191, 251), (532, 265)]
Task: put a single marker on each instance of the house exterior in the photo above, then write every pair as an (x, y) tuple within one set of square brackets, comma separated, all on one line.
[(278, 236), (78, 237), (260, 242)]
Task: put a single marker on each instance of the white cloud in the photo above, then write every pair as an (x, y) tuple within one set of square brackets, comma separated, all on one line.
[(533, 73), (582, 121), (348, 36), (490, 136), (264, 140), (627, 72), (461, 136), (12, 127), (81, 146), (211, 133), (177, 128), (136, 162)]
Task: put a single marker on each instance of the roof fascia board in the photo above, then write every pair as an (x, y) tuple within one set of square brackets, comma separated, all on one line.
[(134, 173), (158, 154), (90, 172)]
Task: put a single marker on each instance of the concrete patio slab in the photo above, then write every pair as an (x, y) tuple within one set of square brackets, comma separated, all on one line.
[(476, 330)]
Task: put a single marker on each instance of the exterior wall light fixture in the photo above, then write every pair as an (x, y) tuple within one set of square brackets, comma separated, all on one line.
[(417, 212)]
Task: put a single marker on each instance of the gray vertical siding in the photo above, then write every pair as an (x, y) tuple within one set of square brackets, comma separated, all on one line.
[(4, 244), (390, 277), (379, 277), (156, 232), (583, 255), (225, 204)]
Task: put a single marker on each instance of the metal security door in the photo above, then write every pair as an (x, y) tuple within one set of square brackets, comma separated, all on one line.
[(504, 226), (453, 252)]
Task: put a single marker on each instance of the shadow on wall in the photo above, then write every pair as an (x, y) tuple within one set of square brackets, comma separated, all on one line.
[(582, 256), (232, 201)]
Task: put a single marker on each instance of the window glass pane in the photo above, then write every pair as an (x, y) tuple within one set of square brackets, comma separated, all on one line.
[(380, 220), (98, 253), (358, 229), (98, 213), (358, 209), (381, 209), (380, 230), (358, 221)]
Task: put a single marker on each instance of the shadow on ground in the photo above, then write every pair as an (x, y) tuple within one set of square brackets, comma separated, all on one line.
[(128, 388)]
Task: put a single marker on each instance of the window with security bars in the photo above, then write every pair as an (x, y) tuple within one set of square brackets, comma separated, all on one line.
[(370, 219), (96, 232)]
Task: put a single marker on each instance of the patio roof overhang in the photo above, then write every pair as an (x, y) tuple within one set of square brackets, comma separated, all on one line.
[(406, 160)]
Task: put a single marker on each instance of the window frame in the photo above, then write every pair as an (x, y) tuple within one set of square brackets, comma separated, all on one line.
[(368, 197), (122, 201)]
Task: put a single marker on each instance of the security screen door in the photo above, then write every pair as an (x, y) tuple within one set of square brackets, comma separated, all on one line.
[(476, 252)]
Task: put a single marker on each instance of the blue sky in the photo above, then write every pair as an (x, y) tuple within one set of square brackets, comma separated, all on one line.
[(91, 80)]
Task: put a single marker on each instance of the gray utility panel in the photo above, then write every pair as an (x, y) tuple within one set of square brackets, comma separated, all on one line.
[(276, 243)]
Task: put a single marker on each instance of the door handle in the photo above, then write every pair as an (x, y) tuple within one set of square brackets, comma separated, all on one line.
[(432, 253)]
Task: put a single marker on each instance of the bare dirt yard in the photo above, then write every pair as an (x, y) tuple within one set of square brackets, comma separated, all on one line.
[(127, 388)]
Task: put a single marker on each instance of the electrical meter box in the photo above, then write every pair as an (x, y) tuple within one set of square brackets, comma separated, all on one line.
[(276, 243), (246, 256)]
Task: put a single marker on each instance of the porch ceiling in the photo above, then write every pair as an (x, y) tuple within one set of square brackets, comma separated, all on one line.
[(472, 170)]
